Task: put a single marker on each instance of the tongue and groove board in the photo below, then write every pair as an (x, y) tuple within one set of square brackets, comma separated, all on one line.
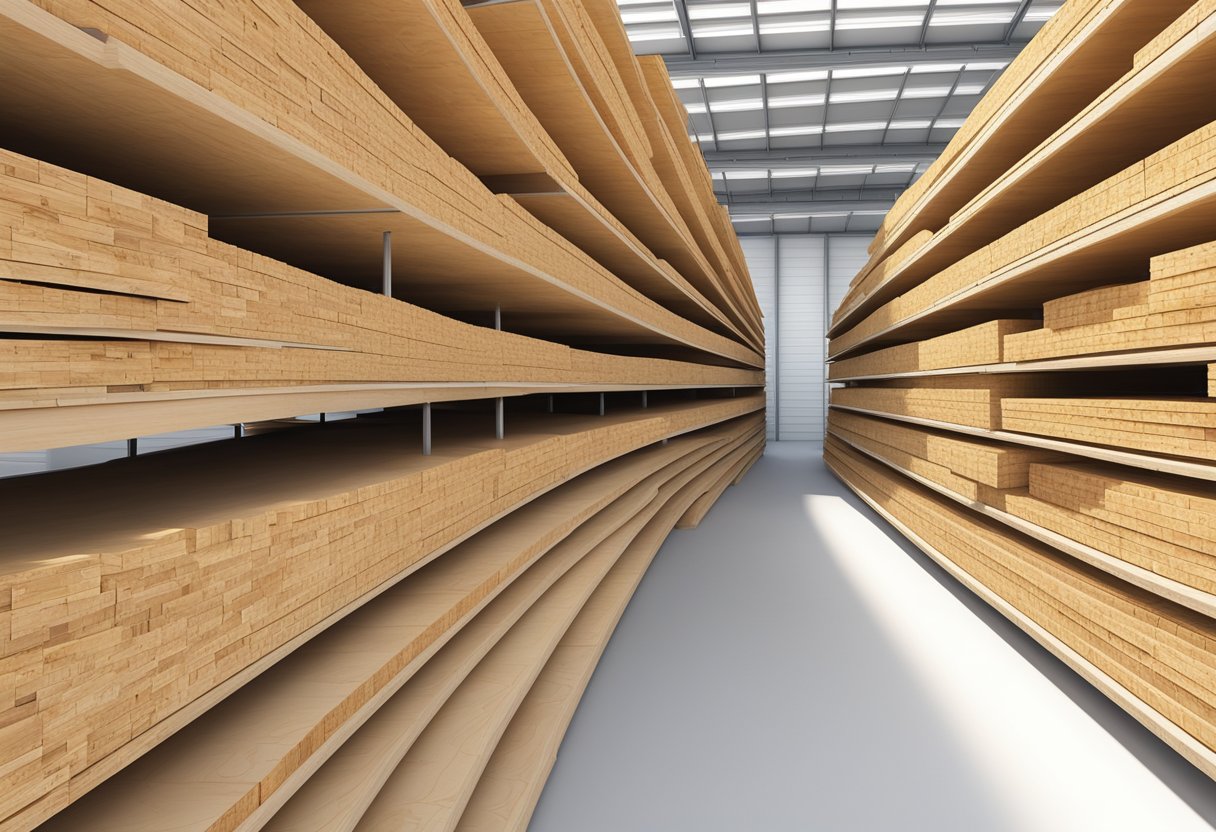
[(429, 58), (1025, 362), (510, 784), (218, 132), (259, 210), (1084, 49), (189, 592), (339, 793), (1168, 92), (431, 786), (1151, 657), (526, 37), (396, 656), (235, 336)]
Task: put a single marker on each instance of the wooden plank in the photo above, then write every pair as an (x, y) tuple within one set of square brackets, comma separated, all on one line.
[(511, 782), (336, 796), (313, 552), (1128, 697)]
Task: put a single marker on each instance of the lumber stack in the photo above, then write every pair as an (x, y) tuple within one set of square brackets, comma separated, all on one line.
[(1024, 364), (482, 233)]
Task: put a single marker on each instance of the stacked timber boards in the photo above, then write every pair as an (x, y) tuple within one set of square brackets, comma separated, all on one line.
[(1024, 364), (242, 213)]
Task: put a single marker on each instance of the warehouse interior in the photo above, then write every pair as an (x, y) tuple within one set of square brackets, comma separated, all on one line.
[(607, 415)]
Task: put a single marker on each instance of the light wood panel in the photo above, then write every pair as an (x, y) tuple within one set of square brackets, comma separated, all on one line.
[(337, 795), (531, 42), (511, 783), (1149, 656), (228, 213), (430, 59), (1079, 52), (67, 595), (226, 149), (1080, 273)]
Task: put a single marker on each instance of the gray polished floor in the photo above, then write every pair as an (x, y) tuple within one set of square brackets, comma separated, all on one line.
[(791, 665)]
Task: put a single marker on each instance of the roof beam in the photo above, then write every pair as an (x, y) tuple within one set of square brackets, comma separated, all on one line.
[(1018, 17), (685, 28), (853, 154), (732, 64)]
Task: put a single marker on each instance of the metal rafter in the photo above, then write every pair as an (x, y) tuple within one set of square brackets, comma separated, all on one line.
[(958, 77), (756, 26), (1018, 17), (832, 27), (827, 102), (899, 94), (768, 139), (713, 128), (924, 26), (685, 27)]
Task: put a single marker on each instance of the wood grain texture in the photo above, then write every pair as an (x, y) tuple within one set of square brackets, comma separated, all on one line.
[(247, 211), (1079, 271)]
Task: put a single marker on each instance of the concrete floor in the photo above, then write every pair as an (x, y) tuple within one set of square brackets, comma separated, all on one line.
[(792, 665)]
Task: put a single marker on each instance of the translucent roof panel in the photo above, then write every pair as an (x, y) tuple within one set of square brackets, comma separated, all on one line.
[(838, 107), (847, 97), (722, 27)]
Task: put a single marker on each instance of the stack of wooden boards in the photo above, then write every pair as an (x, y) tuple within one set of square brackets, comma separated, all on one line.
[(1024, 365), (232, 213)]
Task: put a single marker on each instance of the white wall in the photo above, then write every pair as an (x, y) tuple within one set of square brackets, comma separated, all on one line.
[(789, 274)]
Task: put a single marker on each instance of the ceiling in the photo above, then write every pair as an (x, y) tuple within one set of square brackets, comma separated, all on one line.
[(814, 115)]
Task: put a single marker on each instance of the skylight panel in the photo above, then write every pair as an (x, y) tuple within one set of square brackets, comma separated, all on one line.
[(685, 83), (718, 11), (735, 175), (869, 72), (863, 95), (970, 18), (790, 77), (792, 6), (741, 134), (855, 126), (846, 170), (794, 173), (714, 81), (880, 21), (738, 106), (785, 27), (659, 16), (911, 124), (778, 102), (802, 130), (926, 92), (849, 5), (921, 69), (723, 30)]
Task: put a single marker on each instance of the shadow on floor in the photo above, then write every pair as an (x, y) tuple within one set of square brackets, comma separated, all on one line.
[(791, 665)]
